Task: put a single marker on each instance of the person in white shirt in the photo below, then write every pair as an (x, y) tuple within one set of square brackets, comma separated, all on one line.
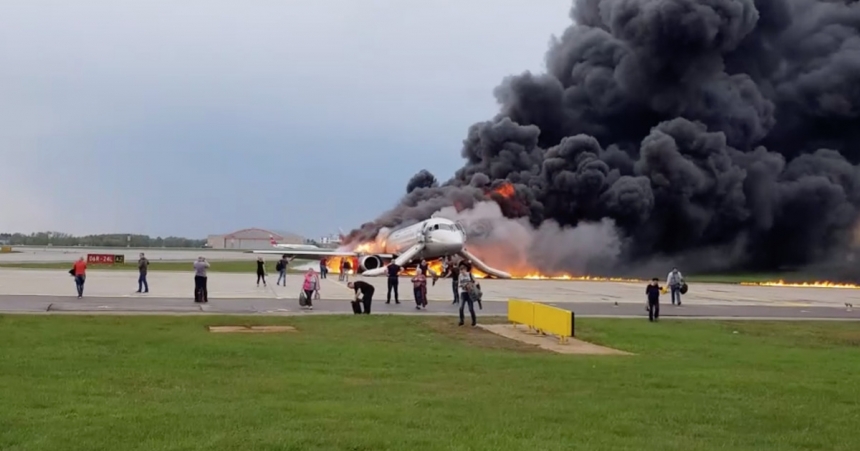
[(674, 281)]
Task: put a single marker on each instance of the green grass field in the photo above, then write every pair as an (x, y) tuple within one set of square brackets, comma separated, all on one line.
[(238, 266), (420, 383)]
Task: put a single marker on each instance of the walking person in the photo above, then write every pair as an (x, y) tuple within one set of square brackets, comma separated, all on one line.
[(261, 271), (79, 271), (468, 292), (393, 271), (419, 289), (201, 291), (342, 269), (347, 267), (363, 296), (423, 267), (142, 267), (653, 293), (308, 287), (323, 268), (281, 267), (674, 281), (453, 272)]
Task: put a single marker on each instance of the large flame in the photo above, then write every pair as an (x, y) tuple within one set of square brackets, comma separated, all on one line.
[(527, 273), (505, 190), (435, 266), (782, 283)]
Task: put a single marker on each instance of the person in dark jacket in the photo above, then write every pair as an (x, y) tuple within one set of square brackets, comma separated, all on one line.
[(467, 289), (363, 294), (393, 271), (281, 267), (453, 271), (653, 293), (261, 271), (423, 267), (142, 267)]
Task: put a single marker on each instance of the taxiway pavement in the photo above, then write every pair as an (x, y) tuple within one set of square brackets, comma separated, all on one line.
[(34, 291)]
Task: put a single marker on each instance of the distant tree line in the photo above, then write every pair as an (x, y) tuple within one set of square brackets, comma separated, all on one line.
[(106, 240)]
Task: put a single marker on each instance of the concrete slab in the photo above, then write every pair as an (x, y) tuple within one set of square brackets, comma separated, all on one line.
[(251, 329), (230, 286), (549, 343)]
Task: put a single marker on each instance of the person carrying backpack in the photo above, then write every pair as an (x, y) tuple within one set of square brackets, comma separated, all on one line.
[(470, 292)]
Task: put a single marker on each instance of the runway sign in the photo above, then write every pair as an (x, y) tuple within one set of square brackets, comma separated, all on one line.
[(101, 259), (5, 249)]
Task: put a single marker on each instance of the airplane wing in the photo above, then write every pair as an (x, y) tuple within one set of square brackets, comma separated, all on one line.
[(316, 254)]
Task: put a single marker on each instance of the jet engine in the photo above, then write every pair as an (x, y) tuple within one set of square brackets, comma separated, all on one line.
[(369, 262)]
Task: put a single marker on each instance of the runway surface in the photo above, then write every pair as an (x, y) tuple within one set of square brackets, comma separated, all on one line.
[(40, 291)]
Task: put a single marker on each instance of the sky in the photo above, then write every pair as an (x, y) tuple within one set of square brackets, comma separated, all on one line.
[(197, 117)]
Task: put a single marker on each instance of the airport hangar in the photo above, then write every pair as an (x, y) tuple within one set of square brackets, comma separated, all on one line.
[(250, 239)]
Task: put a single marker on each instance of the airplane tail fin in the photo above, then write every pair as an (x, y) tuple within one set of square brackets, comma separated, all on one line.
[(272, 241)]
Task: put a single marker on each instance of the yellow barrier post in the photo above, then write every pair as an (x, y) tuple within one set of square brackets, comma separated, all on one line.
[(553, 320), (521, 312)]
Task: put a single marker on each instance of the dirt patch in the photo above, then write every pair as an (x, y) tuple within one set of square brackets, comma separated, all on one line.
[(549, 343), (251, 329), (477, 336)]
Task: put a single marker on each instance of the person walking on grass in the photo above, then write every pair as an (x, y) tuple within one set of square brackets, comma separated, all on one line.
[(468, 292), (261, 271), (79, 272), (142, 267), (652, 291)]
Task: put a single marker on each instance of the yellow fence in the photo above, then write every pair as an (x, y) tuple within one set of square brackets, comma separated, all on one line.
[(544, 319)]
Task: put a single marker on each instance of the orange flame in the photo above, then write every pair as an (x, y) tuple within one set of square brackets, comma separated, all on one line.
[(782, 283), (505, 190), (523, 272)]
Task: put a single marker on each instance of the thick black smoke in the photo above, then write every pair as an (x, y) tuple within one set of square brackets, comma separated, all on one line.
[(719, 133)]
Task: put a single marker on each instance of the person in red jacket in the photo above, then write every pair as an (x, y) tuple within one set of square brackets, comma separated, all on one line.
[(79, 271)]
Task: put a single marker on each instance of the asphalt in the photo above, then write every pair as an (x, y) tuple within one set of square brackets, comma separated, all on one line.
[(113, 292)]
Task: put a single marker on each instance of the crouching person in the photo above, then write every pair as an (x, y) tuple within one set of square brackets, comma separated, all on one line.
[(363, 296)]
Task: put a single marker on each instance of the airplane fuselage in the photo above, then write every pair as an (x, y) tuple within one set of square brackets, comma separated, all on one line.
[(441, 238)]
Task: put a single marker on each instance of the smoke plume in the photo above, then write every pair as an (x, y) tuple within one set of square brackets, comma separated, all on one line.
[(718, 133)]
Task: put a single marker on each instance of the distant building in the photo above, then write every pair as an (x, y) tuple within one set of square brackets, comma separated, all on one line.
[(331, 239), (250, 239)]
